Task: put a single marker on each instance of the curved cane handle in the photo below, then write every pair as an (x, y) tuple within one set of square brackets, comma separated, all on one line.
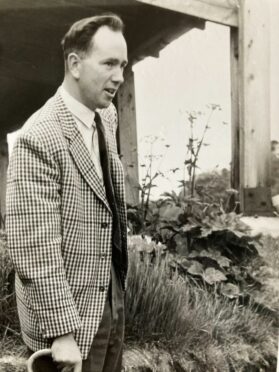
[(36, 355)]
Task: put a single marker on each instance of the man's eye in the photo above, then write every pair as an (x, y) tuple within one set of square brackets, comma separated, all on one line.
[(108, 63)]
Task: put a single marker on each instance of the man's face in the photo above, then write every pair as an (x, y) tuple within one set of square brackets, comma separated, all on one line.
[(101, 71)]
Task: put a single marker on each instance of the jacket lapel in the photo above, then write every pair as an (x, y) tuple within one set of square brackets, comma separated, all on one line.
[(79, 151)]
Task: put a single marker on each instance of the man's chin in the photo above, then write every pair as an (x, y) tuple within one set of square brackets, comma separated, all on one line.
[(103, 105)]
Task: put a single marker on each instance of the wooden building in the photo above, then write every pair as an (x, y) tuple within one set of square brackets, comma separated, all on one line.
[(31, 69)]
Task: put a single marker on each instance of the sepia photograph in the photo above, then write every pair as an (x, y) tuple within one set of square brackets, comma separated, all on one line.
[(139, 196)]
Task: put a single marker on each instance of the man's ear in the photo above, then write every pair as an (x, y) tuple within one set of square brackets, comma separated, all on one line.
[(74, 63)]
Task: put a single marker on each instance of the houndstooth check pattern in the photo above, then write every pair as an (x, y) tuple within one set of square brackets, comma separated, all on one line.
[(59, 226)]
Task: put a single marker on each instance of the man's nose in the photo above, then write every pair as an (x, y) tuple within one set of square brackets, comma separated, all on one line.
[(118, 76)]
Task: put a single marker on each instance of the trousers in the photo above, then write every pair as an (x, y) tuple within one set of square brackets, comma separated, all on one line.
[(105, 354)]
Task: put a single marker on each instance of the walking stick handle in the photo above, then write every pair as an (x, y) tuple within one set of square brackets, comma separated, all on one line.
[(36, 355)]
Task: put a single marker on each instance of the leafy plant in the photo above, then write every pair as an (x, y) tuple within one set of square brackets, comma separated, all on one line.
[(210, 247), (151, 174), (194, 147)]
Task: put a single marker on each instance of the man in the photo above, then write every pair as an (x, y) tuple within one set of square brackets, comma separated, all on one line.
[(66, 216)]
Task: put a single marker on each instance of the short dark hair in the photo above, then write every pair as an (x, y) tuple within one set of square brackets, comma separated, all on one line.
[(79, 37)]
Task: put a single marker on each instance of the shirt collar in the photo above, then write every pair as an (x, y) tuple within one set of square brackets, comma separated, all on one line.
[(78, 109)]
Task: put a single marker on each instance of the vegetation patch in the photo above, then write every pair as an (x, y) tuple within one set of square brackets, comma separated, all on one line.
[(202, 330)]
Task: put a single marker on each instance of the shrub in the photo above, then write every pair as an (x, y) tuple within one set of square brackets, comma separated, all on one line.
[(214, 186), (209, 246)]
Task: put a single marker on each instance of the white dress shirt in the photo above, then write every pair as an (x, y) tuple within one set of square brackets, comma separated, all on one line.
[(84, 118)]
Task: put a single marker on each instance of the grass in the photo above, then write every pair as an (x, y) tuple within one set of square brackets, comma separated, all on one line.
[(172, 313), (269, 274), (11, 345), (9, 326)]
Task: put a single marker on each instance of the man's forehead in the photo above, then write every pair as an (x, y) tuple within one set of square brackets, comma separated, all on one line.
[(109, 44), (106, 37)]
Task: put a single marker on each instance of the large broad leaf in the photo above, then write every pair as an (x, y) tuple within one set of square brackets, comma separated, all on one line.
[(216, 255), (212, 276), (181, 244), (236, 272), (196, 268), (189, 227), (230, 290), (205, 231), (194, 254), (170, 212), (183, 263), (223, 261)]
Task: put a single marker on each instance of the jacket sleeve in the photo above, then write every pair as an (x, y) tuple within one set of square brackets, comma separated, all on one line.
[(33, 224)]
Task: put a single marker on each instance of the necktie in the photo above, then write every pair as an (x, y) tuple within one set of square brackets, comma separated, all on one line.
[(118, 258), (95, 152)]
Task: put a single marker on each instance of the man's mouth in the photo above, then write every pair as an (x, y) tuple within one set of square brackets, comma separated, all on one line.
[(110, 91)]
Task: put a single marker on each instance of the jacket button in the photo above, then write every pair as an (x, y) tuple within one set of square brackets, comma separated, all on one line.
[(104, 225), (103, 256), (101, 288)]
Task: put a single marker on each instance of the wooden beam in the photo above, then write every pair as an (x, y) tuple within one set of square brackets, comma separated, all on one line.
[(220, 11), (254, 83), (39, 4), (153, 45), (128, 136), (235, 161)]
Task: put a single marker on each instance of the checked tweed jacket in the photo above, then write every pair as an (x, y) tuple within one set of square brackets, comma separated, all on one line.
[(59, 226)]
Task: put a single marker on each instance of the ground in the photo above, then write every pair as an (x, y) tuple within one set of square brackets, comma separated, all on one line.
[(264, 225)]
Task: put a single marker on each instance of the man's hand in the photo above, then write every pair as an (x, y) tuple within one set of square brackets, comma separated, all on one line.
[(66, 353)]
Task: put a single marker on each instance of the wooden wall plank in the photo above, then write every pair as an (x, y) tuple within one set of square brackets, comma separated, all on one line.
[(128, 136), (220, 11), (254, 75)]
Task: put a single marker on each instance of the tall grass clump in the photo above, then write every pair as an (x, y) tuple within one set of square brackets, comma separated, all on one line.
[(153, 300), (9, 324), (173, 313)]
